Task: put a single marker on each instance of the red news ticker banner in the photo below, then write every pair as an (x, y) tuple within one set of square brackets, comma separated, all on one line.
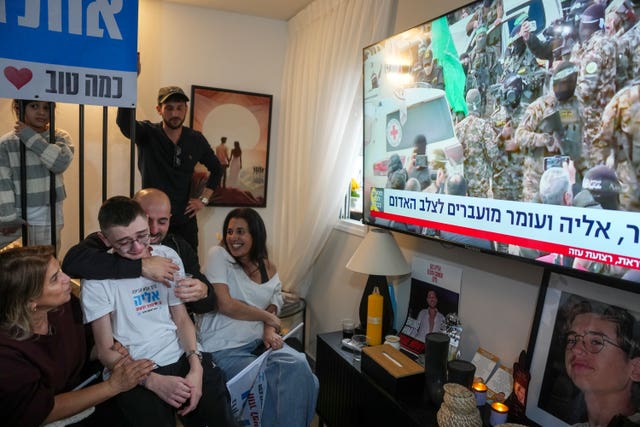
[(555, 248)]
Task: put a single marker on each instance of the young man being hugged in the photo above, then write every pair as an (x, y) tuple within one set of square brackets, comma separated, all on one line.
[(151, 322)]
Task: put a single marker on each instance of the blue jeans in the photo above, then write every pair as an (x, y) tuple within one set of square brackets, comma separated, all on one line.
[(292, 389)]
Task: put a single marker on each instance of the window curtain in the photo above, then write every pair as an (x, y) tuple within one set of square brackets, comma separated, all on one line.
[(320, 126)]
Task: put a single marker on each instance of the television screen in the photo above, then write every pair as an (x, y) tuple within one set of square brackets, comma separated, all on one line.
[(513, 127)]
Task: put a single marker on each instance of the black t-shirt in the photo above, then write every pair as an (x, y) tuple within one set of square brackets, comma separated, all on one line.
[(167, 166)]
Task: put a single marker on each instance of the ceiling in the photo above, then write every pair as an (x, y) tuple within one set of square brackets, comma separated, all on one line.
[(274, 9)]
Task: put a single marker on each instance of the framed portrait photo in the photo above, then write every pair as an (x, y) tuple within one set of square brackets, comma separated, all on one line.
[(237, 125), (417, 324), (585, 338)]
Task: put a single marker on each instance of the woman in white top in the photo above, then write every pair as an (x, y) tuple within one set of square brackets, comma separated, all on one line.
[(248, 290)]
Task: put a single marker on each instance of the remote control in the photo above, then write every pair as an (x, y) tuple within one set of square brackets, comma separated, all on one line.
[(346, 342)]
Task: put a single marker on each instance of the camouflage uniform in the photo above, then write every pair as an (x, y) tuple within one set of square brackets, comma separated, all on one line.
[(627, 45), (486, 15), (619, 140), (596, 84), (507, 169), (632, 46), (483, 69), (573, 144), (478, 142), (526, 66), (624, 59), (536, 145)]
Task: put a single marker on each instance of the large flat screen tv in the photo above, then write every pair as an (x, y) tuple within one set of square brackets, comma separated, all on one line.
[(502, 127)]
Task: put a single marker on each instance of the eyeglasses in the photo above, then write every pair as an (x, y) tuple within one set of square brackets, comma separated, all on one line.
[(126, 245), (176, 157), (593, 342)]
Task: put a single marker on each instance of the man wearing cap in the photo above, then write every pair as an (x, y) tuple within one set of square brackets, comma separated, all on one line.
[(167, 154), (430, 71), (603, 184)]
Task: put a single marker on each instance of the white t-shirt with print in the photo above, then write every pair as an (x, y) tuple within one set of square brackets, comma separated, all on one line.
[(139, 309)]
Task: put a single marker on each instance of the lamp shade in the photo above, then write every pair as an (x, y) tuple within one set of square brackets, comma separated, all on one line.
[(379, 254)]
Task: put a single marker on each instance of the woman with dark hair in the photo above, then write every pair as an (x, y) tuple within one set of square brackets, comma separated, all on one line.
[(248, 290), (602, 358), (42, 344), (42, 159)]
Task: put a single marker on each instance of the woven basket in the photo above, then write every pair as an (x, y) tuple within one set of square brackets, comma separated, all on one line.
[(447, 417), (459, 398), (459, 408)]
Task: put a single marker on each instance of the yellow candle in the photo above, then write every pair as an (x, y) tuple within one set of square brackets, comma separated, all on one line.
[(374, 318)]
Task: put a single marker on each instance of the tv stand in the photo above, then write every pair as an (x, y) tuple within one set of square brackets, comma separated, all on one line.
[(350, 398)]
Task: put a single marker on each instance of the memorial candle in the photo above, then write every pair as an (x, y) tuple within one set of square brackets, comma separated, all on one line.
[(480, 391), (499, 413)]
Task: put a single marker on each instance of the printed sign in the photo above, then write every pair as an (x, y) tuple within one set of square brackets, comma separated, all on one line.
[(73, 51), (248, 391)]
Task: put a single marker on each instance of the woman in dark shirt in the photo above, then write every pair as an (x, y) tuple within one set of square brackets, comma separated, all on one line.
[(42, 344)]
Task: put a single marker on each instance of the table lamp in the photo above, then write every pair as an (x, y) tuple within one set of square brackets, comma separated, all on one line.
[(378, 256)]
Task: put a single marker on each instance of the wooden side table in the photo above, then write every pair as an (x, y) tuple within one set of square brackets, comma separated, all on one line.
[(350, 398)]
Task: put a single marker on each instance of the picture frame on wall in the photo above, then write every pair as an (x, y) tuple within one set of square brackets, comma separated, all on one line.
[(237, 125), (586, 335)]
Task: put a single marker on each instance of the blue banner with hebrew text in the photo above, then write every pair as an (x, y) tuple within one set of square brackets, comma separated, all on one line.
[(74, 51)]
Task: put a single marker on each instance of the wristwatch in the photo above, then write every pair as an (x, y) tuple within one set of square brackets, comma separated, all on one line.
[(190, 353), (204, 200)]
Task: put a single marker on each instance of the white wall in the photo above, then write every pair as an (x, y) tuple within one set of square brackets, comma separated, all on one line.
[(182, 46), (498, 295)]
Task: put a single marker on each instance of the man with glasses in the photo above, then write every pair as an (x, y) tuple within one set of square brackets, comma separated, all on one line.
[(91, 258), (603, 361), (150, 322), (167, 154)]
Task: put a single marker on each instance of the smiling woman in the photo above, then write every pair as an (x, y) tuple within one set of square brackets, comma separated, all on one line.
[(249, 294), (42, 344)]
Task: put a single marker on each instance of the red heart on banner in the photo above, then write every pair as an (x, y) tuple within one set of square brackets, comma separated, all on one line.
[(17, 77)]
